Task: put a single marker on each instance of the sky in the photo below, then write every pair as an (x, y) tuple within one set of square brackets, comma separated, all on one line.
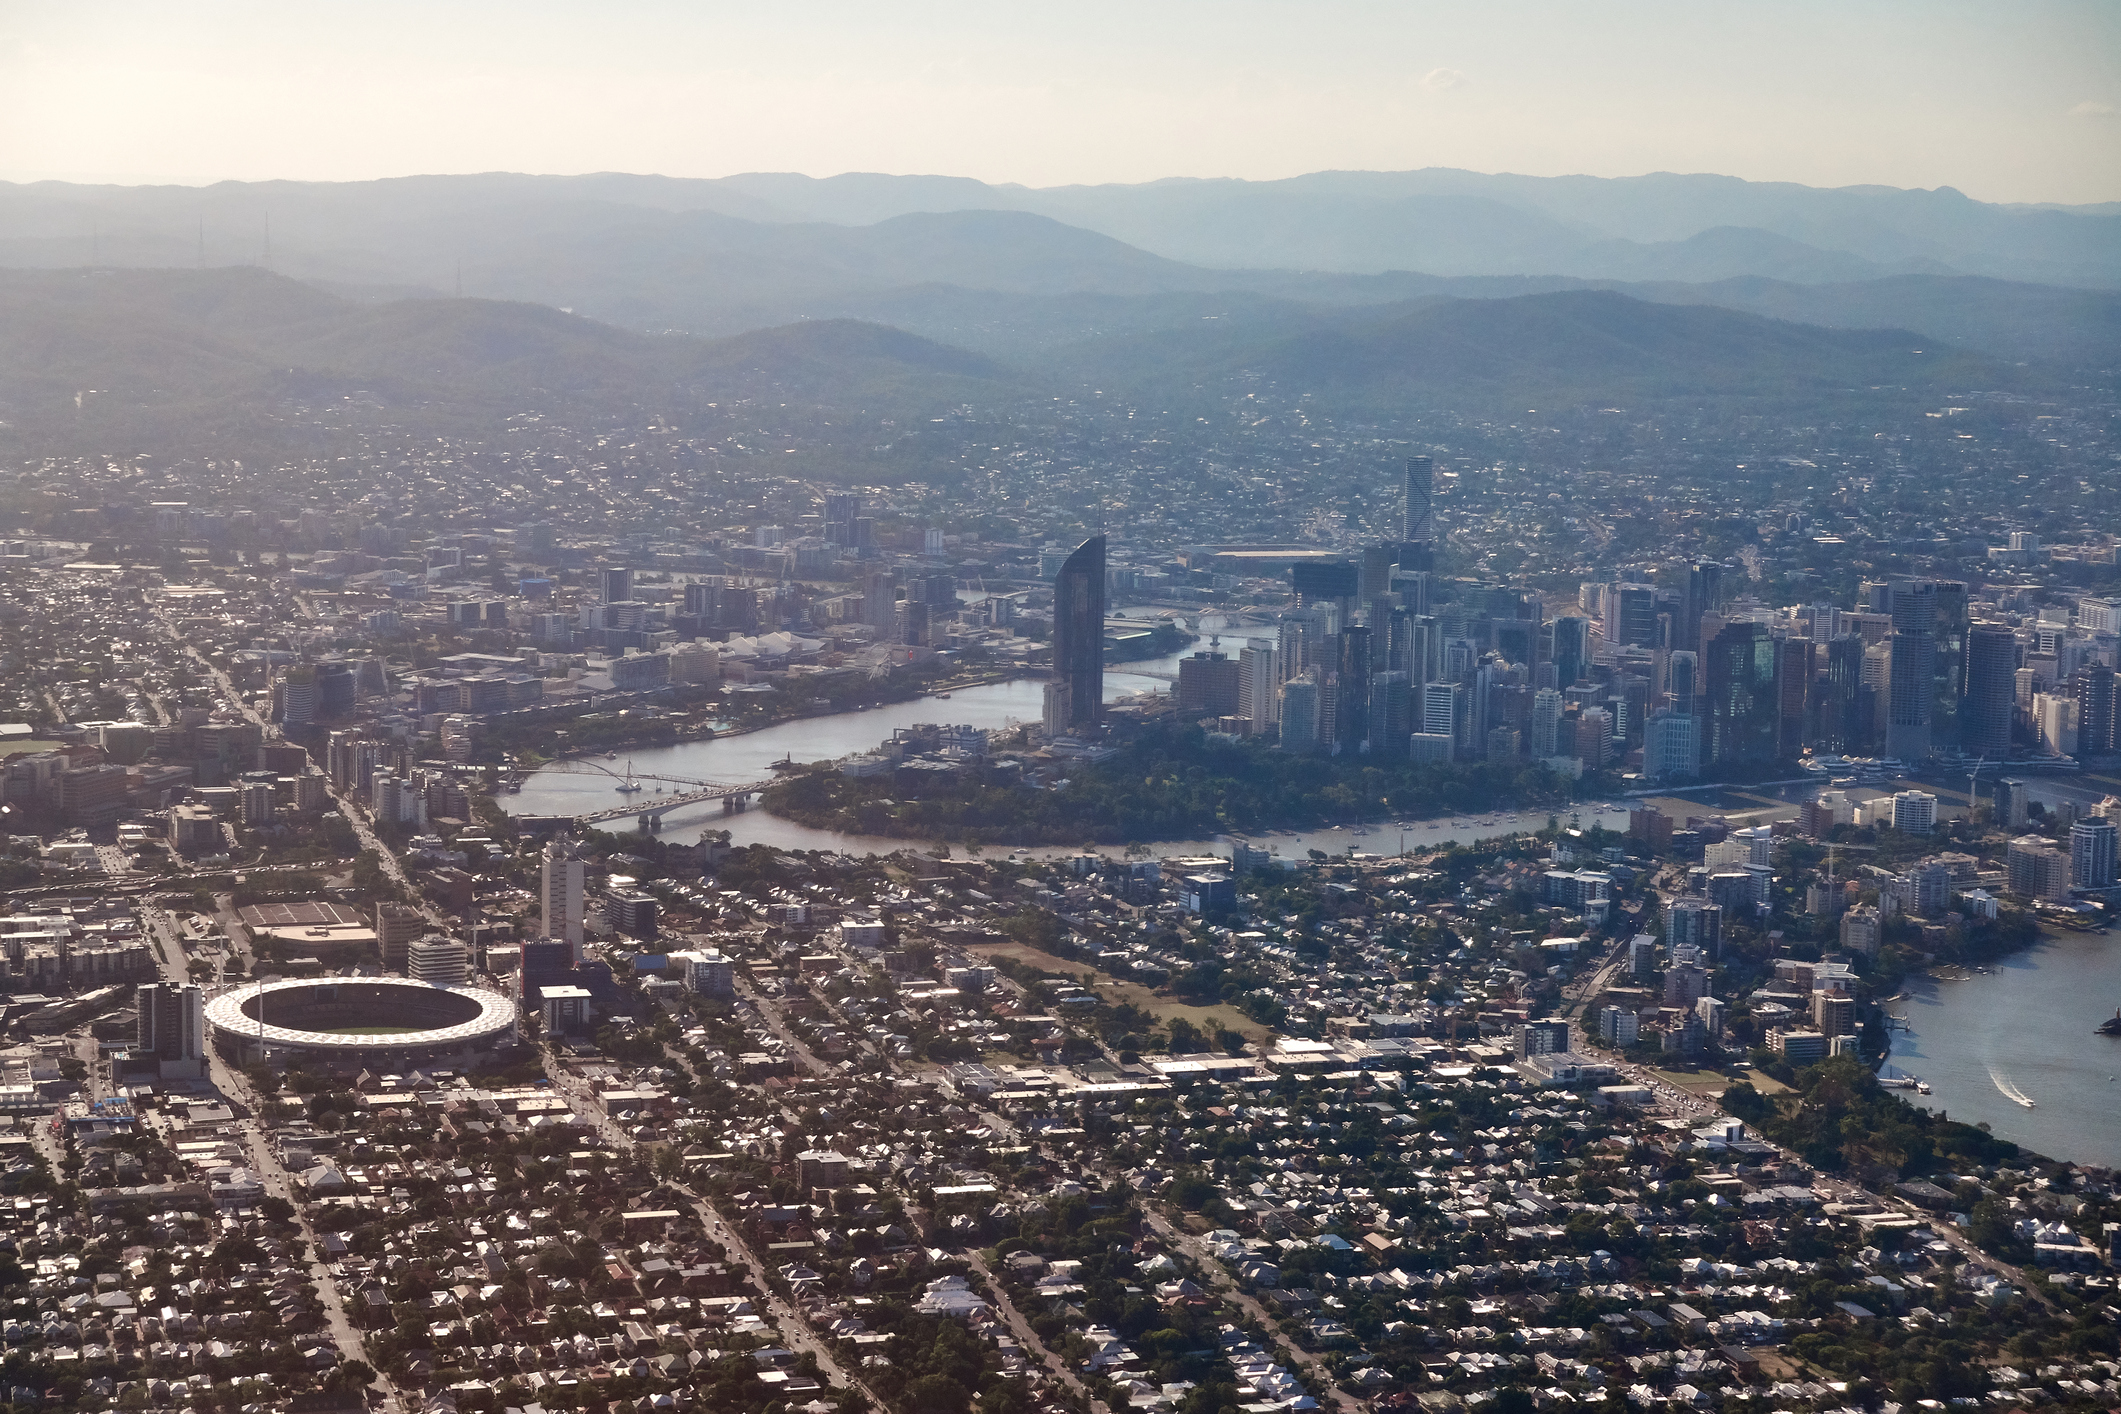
[(2016, 102)]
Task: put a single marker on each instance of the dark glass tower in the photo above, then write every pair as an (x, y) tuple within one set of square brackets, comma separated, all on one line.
[(1079, 633), (1991, 690), (1912, 708), (1743, 710)]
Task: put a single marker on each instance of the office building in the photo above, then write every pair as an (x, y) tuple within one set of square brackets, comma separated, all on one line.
[(1631, 615), (1351, 692), (1417, 521), (1991, 690), (1742, 705), (1913, 682), (1671, 746), (444, 961), (560, 894), (2091, 853), (631, 914), (1210, 684), (1793, 696), (1704, 595), (1572, 650), (1079, 633), (1299, 714), (1443, 710), (1391, 713)]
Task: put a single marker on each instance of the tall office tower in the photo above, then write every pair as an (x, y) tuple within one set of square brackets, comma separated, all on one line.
[(1443, 708), (1594, 737), (1546, 724), (1572, 649), (1425, 648), (2098, 718), (1299, 714), (615, 584), (1631, 615), (880, 601), (2091, 854), (1876, 596), (1682, 675), (1414, 588), (1376, 566), (560, 890), (1258, 677), (842, 509), (1417, 523), (1914, 678), (1079, 633), (1209, 684), (1950, 658), (1991, 690), (1292, 647), (1704, 595), (172, 1024), (1794, 661), (1740, 697), (1845, 704), (1671, 746), (1334, 582), (1391, 713), (1351, 705)]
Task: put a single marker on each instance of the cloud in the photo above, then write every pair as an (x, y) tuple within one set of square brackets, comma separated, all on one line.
[(2092, 108), (1437, 80)]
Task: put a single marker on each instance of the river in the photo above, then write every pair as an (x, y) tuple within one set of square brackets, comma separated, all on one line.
[(750, 756), (2028, 1025)]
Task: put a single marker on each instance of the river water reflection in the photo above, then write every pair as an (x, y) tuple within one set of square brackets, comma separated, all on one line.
[(751, 756)]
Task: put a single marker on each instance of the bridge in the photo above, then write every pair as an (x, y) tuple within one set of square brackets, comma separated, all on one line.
[(733, 795)]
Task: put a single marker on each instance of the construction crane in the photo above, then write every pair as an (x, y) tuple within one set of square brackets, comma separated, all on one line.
[(1973, 800)]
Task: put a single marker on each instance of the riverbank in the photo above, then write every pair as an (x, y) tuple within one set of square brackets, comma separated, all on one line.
[(1170, 782)]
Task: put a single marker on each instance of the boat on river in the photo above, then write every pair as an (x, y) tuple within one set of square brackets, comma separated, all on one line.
[(2111, 1026)]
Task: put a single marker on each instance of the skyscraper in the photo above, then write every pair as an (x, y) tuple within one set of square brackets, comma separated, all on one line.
[(1299, 714), (2091, 854), (615, 584), (1258, 677), (1914, 671), (1079, 632), (1351, 700), (1418, 523), (1546, 723), (1704, 594), (1845, 707), (1631, 615), (1991, 690), (2098, 730), (172, 1027), (560, 890), (1572, 649), (1742, 707), (1793, 688), (1391, 713), (1671, 747)]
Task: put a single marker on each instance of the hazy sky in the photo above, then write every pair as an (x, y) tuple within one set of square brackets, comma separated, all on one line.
[(2016, 101)]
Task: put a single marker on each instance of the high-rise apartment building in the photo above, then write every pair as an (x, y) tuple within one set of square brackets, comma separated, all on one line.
[(444, 961), (1209, 684), (2091, 853), (2092, 687), (172, 1027), (1259, 683), (1079, 633), (1299, 714), (560, 893)]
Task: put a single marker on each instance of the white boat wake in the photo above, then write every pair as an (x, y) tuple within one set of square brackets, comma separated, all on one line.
[(2010, 1092)]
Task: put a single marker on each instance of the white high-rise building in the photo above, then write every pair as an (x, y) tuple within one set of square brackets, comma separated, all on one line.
[(1546, 723), (1671, 746), (1258, 683), (561, 891)]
